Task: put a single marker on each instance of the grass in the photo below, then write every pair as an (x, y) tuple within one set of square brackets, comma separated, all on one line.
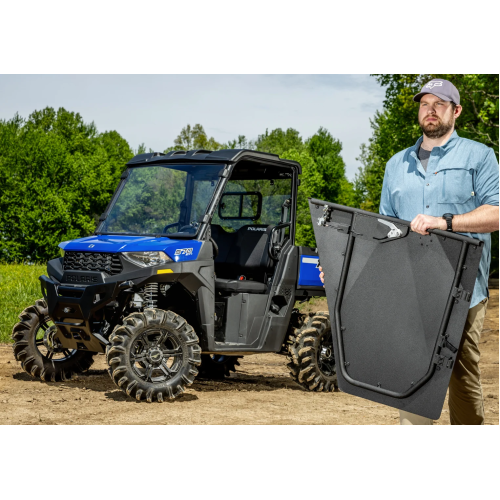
[(313, 305), (19, 288)]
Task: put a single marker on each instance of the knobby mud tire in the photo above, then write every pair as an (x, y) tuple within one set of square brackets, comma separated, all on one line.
[(215, 369), (303, 350), (32, 360), (118, 355)]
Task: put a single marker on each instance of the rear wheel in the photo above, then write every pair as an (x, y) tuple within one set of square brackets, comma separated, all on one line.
[(153, 355), (217, 366), (37, 348), (311, 356)]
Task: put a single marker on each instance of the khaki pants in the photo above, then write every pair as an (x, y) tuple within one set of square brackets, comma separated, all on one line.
[(465, 399)]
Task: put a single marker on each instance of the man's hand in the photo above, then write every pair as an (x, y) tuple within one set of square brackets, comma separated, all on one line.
[(483, 219), (421, 223), (322, 275)]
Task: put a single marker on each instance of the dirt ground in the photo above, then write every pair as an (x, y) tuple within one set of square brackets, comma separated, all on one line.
[(261, 392)]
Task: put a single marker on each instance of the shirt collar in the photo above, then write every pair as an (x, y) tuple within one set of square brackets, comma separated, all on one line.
[(450, 144)]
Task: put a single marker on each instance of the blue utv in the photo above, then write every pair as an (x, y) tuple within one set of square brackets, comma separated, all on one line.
[(192, 265)]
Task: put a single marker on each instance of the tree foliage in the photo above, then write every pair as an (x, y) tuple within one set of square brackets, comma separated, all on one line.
[(57, 175), (195, 138), (323, 172), (278, 141)]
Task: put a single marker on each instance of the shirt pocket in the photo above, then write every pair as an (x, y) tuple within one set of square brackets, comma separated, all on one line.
[(456, 185)]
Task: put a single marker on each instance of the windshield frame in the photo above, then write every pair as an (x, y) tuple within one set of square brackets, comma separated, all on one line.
[(177, 236)]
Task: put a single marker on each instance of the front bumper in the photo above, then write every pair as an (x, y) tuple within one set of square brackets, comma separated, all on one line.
[(72, 309)]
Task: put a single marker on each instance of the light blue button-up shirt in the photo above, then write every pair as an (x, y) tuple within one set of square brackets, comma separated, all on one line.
[(461, 176)]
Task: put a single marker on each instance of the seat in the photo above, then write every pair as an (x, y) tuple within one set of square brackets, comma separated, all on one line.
[(244, 286), (243, 253)]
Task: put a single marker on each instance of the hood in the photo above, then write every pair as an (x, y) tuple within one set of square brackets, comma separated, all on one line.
[(177, 250)]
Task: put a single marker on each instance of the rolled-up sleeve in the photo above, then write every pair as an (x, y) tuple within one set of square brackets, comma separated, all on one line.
[(486, 180), (386, 207)]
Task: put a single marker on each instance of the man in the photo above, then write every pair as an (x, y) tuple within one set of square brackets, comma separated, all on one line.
[(450, 183)]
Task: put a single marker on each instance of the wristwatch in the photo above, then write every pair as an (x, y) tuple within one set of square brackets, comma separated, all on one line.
[(448, 218)]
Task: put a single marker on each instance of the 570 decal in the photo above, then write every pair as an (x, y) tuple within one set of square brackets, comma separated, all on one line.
[(184, 251)]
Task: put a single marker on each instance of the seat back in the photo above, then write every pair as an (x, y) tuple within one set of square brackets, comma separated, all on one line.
[(244, 252), (224, 242)]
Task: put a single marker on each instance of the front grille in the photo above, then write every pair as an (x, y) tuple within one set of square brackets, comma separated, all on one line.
[(93, 261)]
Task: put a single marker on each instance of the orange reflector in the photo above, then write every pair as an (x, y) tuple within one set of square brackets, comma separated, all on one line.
[(164, 271)]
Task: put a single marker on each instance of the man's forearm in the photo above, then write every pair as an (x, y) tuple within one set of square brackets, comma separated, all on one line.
[(484, 219)]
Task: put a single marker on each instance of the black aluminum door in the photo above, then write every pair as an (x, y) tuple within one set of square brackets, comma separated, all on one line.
[(398, 302)]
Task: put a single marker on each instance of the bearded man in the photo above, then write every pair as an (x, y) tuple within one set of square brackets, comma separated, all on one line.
[(450, 183)]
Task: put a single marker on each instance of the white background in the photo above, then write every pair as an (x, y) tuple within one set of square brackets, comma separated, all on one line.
[(276, 37)]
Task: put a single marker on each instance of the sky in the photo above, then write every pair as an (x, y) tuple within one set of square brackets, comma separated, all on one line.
[(152, 109)]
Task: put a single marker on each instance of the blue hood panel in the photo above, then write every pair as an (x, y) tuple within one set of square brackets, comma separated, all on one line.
[(177, 250)]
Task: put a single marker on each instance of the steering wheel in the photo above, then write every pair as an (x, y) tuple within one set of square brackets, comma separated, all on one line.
[(168, 226)]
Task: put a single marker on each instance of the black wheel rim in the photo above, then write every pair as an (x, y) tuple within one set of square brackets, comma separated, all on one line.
[(44, 329), (326, 357), (156, 356)]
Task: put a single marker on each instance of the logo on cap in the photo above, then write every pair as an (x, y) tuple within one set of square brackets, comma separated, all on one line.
[(431, 85)]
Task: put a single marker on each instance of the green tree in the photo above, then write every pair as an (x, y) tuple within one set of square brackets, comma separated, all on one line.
[(278, 141), (330, 181), (324, 178), (240, 143), (304, 233), (323, 172), (195, 138), (57, 175)]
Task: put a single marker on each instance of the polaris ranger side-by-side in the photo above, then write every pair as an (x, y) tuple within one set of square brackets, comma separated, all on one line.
[(192, 265)]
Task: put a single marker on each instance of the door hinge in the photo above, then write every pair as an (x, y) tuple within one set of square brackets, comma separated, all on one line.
[(327, 210), (461, 294)]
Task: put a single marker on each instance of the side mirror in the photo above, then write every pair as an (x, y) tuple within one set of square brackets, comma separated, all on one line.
[(240, 206)]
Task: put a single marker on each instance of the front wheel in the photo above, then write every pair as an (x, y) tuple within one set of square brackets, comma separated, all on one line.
[(153, 355), (311, 356), (37, 348)]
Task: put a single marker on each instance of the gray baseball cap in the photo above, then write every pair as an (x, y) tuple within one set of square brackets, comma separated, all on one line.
[(440, 88)]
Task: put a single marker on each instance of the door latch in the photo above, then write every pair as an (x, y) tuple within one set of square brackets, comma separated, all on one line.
[(394, 231), (443, 361)]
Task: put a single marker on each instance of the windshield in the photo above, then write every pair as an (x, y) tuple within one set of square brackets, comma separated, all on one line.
[(170, 200)]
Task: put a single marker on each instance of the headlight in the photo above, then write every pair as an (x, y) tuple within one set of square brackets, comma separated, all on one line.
[(61, 251), (147, 259)]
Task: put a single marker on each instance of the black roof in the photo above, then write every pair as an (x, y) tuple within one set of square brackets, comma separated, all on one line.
[(203, 155)]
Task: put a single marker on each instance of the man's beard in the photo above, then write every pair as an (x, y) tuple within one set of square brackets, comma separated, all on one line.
[(435, 130)]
